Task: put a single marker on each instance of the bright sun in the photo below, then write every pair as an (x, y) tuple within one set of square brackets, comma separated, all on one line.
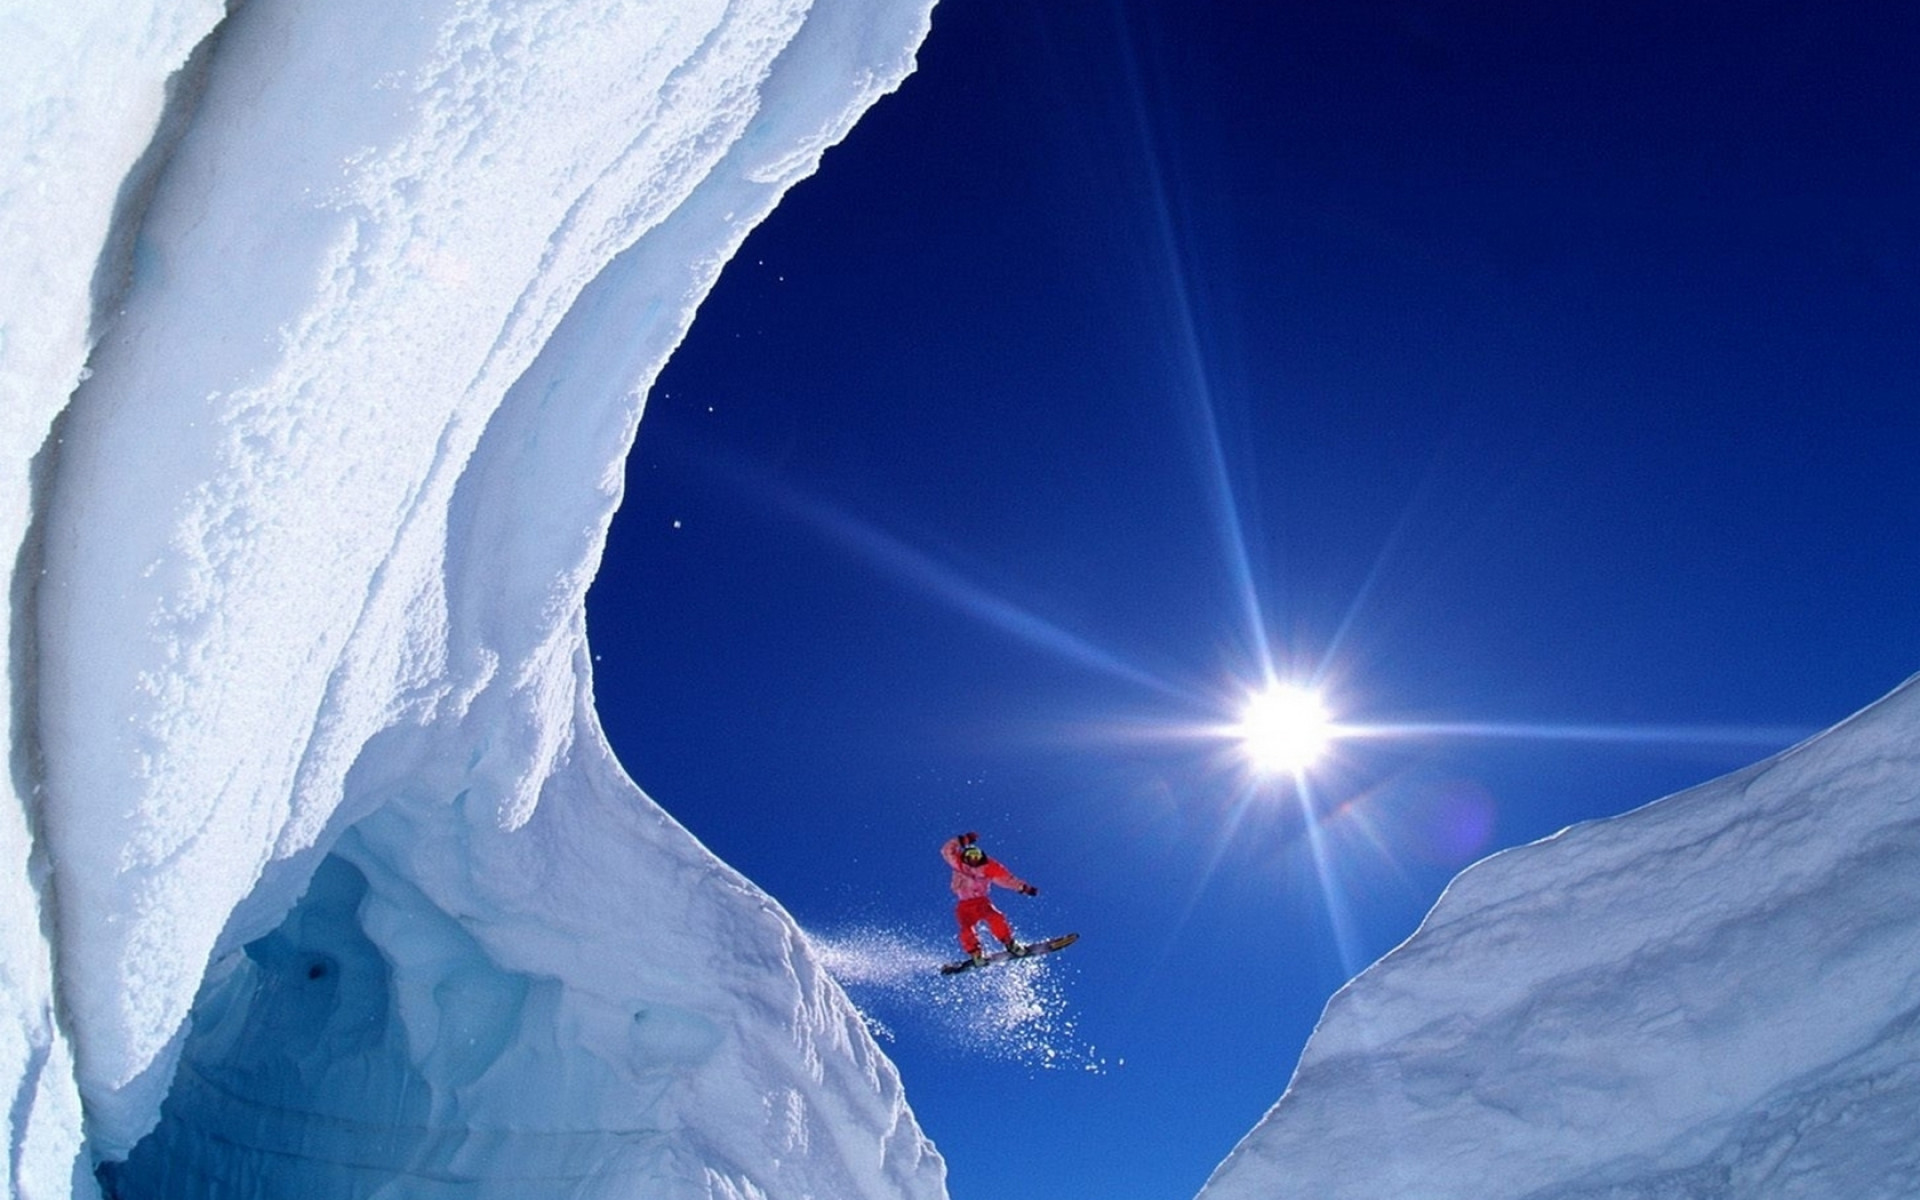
[(1284, 729)]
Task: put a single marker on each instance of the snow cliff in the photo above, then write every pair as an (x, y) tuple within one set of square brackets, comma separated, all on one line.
[(323, 336), (1715, 996)]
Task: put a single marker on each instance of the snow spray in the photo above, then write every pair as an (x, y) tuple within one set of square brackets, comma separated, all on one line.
[(1018, 1012)]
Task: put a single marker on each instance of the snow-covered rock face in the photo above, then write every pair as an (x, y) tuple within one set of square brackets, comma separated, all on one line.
[(1716, 996), (298, 600)]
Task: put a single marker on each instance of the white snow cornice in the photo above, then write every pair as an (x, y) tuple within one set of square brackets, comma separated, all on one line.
[(316, 544)]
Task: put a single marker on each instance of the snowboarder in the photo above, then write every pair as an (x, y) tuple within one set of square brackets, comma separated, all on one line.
[(974, 875)]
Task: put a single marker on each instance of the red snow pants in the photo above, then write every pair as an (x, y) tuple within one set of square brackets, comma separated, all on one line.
[(971, 912)]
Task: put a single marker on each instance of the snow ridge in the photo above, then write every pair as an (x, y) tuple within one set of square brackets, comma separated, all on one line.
[(1713, 996)]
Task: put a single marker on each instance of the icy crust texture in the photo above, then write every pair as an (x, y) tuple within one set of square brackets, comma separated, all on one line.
[(305, 561), (82, 87), (1716, 996), (609, 1014)]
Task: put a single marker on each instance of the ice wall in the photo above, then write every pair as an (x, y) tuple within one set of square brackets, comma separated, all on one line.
[(1716, 996), (81, 93), (298, 597)]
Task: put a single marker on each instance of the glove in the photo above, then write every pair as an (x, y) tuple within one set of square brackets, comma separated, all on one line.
[(1029, 890), (968, 839)]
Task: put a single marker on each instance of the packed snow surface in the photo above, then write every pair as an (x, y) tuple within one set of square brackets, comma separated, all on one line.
[(323, 337), (1716, 996)]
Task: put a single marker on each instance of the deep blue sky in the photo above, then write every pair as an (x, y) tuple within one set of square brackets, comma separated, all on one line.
[(1540, 365)]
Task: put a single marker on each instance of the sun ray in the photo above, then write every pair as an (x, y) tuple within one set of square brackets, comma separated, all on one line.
[(1195, 382), (945, 583), (1567, 731), (1346, 941)]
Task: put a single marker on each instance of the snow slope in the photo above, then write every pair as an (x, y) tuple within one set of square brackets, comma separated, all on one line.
[(81, 93), (1717, 995), (368, 297)]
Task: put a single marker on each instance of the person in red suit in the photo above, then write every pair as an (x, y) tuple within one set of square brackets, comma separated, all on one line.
[(974, 876)]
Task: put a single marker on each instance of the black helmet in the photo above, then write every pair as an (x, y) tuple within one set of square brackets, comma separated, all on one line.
[(973, 856)]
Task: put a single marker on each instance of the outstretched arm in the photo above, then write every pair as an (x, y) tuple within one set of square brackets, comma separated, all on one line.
[(998, 873)]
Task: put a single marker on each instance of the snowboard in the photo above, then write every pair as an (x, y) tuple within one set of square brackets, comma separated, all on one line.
[(1034, 950)]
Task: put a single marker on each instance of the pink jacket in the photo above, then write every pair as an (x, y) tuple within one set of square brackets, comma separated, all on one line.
[(971, 883)]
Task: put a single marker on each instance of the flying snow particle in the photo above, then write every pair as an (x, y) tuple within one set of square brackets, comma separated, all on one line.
[(1017, 1012)]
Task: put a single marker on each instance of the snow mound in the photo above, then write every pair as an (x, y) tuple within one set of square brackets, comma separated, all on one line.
[(1717, 995), (461, 1012)]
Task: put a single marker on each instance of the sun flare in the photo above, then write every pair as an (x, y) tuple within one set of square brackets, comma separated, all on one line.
[(1284, 730)]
